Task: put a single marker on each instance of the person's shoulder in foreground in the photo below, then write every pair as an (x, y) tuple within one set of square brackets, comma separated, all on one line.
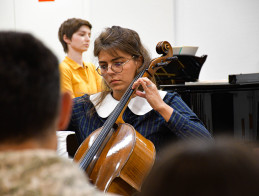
[(41, 172)]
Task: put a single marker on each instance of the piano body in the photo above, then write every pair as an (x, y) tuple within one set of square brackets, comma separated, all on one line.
[(224, 107)]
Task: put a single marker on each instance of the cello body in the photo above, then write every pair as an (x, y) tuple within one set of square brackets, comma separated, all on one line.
[(124, 162)]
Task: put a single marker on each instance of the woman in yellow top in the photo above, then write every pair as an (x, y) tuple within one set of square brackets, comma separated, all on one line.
[(77, 77)]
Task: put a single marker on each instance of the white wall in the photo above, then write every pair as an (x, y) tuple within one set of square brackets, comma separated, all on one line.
[(151, 25), (226, 30), (40, 18)]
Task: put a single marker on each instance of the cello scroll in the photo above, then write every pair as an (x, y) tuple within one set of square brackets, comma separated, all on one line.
[(166, 50)]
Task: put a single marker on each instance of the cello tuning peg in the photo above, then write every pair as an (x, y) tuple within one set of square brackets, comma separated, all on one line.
[(162, 64), (173, 58)]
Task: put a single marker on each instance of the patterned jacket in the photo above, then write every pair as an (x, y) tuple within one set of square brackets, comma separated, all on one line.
[(42, 172)]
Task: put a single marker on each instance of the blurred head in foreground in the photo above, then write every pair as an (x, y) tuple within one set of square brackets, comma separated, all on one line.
[(30, 98), (225, 167)]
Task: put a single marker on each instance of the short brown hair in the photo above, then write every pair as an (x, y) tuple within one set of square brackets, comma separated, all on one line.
[(69, 27)]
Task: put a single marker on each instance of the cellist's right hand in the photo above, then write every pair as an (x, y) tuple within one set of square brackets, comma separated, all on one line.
[(153, 97)]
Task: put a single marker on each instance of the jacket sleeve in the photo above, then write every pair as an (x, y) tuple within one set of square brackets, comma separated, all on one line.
[(183, 121)]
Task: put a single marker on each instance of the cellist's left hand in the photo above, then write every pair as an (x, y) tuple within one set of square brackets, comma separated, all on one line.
[(152, 95)]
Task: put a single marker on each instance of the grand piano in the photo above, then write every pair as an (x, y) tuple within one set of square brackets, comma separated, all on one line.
[(225, 107)]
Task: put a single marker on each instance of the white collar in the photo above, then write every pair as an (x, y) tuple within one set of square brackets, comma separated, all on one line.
[(137, 105)]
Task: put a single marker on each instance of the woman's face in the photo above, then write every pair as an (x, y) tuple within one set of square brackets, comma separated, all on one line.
[(80, 40), (118, 82)]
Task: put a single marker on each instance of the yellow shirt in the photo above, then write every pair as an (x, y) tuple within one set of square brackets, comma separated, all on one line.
[(79, 80)]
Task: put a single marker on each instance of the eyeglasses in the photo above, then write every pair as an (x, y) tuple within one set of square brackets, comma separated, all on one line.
[(116, 67)]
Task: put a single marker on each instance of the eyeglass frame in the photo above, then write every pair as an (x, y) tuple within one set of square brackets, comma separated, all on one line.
[(98, 68)]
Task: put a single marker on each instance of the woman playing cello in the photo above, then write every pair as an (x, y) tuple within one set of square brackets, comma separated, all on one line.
[(157, 115)]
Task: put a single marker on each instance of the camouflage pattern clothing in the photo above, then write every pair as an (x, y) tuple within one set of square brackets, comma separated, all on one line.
[(42, 172)]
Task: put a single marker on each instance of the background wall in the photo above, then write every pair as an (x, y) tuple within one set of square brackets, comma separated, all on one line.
[(226, 30)]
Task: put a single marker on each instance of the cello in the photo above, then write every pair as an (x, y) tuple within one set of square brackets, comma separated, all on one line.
[(116, 157)]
